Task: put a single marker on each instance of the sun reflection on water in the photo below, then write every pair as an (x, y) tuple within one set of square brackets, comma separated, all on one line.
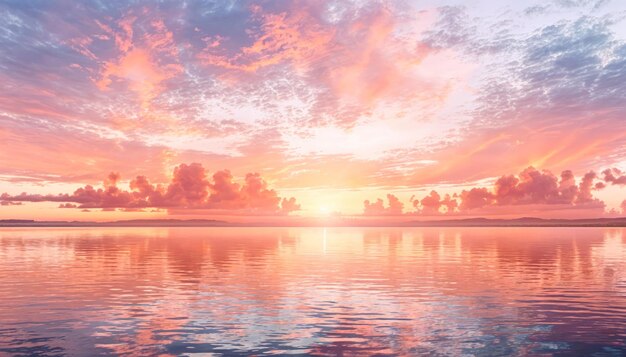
[(359, 291)]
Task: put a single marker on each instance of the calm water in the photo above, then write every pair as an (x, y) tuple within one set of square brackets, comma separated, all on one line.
[(350, 291)]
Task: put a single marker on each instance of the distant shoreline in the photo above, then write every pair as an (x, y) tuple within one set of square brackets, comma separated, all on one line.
[(469, 222)]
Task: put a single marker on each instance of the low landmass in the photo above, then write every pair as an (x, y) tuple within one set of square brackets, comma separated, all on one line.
[(524, 222), (347, 222), (123, 223)]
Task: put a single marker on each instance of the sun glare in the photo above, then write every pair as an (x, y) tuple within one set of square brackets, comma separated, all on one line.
[(325, 210)]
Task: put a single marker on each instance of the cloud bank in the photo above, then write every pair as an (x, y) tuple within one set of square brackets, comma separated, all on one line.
[(189, 188), (530, 188)]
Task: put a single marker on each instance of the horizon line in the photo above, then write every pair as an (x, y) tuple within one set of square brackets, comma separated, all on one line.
[(316, 222)]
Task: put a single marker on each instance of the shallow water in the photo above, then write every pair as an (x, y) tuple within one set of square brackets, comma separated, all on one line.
[(350, 291)]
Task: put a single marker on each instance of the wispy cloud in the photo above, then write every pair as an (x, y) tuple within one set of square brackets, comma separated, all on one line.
[(330, 94)]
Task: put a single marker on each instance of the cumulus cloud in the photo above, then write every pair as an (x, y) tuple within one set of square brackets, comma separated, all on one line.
[(585, 197), (432, 204), (477, 197), (614, 176), (377, 208), (289, 204), (529, 187), (190, 187), (532, 186)]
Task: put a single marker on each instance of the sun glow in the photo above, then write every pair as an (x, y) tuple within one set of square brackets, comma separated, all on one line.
[(325, 210), (308, 111)]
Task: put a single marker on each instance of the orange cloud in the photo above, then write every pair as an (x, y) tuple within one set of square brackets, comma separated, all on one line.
[(144, 64), (361, 60), (284, 37)]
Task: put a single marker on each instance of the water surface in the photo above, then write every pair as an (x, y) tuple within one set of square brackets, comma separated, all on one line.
[(350, 291)]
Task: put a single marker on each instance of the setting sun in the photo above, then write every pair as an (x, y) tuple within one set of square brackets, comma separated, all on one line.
[(325, 210)]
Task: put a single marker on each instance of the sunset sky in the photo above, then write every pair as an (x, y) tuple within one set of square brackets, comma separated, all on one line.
[(282, 109)]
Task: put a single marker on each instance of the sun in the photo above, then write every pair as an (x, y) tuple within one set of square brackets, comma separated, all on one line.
[(325, 210)]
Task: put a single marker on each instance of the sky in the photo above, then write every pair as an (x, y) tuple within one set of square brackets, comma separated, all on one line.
[(268, 110)]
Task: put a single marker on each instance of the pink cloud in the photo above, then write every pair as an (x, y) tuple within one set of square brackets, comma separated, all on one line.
[(189, 188), (283, 37), (542, 187), (9, 203), (477, 197), (432, 204), (530, 188), (378, 208), (585, 197), (614, 176), (145, 60), (68, 205), (289, 205), (366, 57)]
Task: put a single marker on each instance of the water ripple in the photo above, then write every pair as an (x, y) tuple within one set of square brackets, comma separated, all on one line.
[(306, 291)]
